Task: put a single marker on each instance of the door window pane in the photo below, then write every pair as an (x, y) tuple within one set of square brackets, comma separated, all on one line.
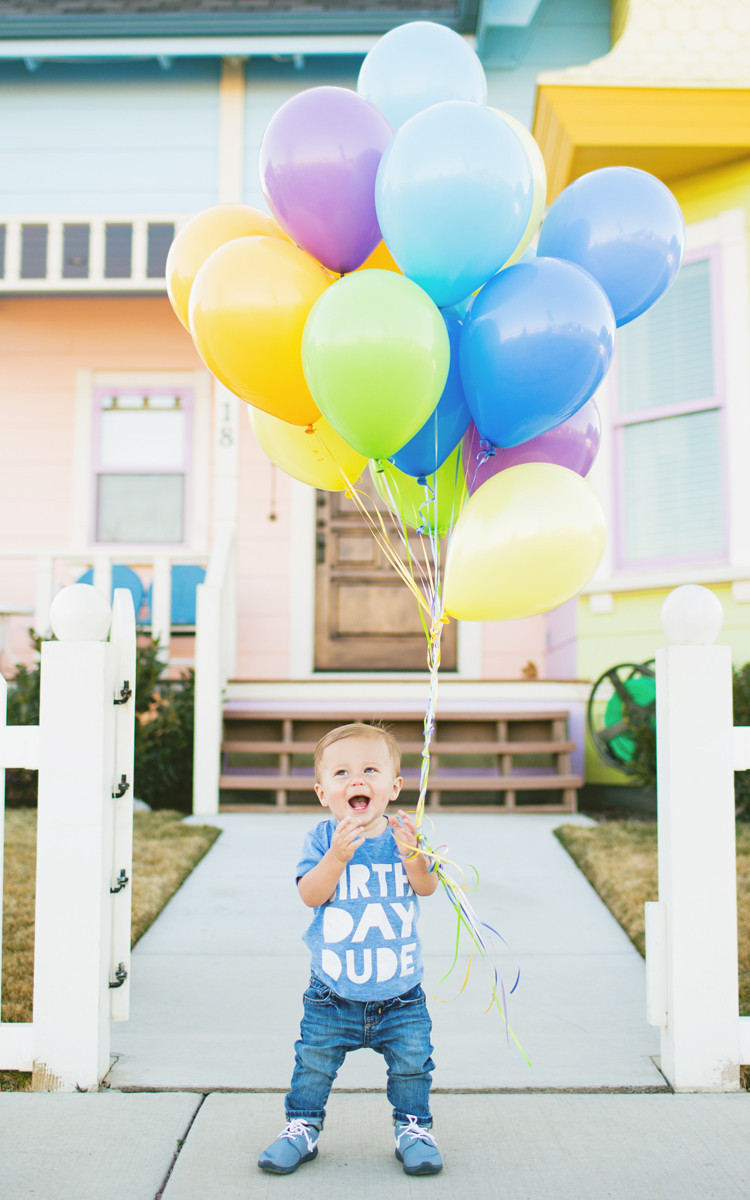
[(141, 466), (142, 439), (140, 508)]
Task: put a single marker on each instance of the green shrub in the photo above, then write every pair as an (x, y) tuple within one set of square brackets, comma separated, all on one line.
[(163, 732)]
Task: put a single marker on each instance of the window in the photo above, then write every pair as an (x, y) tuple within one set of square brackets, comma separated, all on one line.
[(669, 427), (142, 452)]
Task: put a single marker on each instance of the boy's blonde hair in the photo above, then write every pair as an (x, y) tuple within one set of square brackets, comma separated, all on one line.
[(358, 729)]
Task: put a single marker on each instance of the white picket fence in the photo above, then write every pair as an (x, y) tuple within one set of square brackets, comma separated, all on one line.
[(691, 931), (83, 750)]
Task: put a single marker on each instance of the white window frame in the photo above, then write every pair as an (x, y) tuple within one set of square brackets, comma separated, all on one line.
[(89, 384), (726, 235)]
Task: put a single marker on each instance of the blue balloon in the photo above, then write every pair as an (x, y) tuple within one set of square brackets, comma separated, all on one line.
[(444, 428), (417, 65), (625, 228), (536, 344), (453, 195)]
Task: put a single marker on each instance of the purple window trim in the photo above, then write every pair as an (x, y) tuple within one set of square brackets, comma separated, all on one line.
[(620, 421), (187, 404)]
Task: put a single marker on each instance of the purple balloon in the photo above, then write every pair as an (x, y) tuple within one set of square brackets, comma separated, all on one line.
[(572, 444), (318, 161)]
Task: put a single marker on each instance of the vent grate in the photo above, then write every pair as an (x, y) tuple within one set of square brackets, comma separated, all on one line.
[(85, 254)]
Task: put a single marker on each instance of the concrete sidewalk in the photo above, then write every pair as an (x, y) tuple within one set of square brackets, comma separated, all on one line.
[(218, 979), (196, 1088)]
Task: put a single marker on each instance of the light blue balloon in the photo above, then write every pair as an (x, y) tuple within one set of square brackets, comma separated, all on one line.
[(453, 196), (536, 344), (417, 65), (625, 228), (444, 428)]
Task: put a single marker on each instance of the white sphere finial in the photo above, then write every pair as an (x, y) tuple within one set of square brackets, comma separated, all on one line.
[(80, 614), (692, 615)]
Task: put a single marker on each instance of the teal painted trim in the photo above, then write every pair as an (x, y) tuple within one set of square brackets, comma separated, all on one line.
[(508, 12), (561, 33), (99, 138), (197, 24), (87, 49)]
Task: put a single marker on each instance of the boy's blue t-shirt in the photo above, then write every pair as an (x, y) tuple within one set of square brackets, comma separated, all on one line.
[(363, 941)]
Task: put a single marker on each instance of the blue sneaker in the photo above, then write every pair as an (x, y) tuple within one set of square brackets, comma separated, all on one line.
[(416, 1148), (296, 1144)]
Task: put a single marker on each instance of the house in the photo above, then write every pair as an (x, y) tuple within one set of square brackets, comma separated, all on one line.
[(672, 98), (120, 452)]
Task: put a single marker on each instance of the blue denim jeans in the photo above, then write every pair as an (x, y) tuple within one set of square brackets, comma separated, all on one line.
[(399, 1029)]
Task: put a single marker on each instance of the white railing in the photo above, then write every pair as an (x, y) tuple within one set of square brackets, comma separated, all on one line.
[(215, 629), (215, 656), (49, 565), (83, 749), (85, 268)]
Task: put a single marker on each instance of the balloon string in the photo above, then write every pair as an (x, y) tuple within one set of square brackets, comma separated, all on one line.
[(434, 621), (377, 528)]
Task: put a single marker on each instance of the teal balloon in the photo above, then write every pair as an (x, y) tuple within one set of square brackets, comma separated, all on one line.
[(417, 65), (453, 194)]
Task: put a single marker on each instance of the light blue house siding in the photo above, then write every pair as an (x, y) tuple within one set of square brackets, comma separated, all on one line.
[(115, 137), (269, 84), (122, 136), (565, 32)]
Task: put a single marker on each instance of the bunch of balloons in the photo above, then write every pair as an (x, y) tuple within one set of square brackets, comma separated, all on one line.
[(391, 309)]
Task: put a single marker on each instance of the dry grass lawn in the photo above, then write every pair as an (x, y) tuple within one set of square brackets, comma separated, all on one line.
[(165, 851), (619, 859)]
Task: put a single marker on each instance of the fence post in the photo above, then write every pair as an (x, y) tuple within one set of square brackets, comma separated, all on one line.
[(208, 700), (696, 831), (74, 846), (123, 639)]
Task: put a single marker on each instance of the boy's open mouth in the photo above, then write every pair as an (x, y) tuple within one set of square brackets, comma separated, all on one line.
[(359, 803)]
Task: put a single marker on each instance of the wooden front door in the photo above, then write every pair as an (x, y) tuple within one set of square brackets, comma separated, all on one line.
[(366, 617)]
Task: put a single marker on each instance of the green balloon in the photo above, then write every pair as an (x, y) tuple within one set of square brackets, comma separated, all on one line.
[(375, 353), (419, 506)]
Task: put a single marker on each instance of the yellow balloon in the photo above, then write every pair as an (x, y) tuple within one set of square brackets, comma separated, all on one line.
[(413, 503), (539, 177), (203, 234), (309, 455), (248, 308), (527, 540)]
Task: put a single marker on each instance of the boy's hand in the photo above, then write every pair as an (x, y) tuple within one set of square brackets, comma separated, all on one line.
[(347, 838), (422, 880), (405, 831)]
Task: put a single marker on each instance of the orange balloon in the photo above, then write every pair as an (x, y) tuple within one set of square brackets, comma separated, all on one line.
[(248, 308), (203, 234), (382, 259)]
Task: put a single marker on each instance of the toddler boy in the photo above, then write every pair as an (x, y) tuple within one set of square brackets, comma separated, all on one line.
[(365, 988)]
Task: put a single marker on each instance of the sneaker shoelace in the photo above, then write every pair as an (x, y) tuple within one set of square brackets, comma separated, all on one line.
[(415, 1130), (298, 1128)]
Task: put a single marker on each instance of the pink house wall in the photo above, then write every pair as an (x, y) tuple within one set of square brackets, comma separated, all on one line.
[(44, 342), (264, 563), (508, 647)]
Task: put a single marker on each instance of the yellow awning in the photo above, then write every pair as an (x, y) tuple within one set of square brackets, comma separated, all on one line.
[(669, 131)]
